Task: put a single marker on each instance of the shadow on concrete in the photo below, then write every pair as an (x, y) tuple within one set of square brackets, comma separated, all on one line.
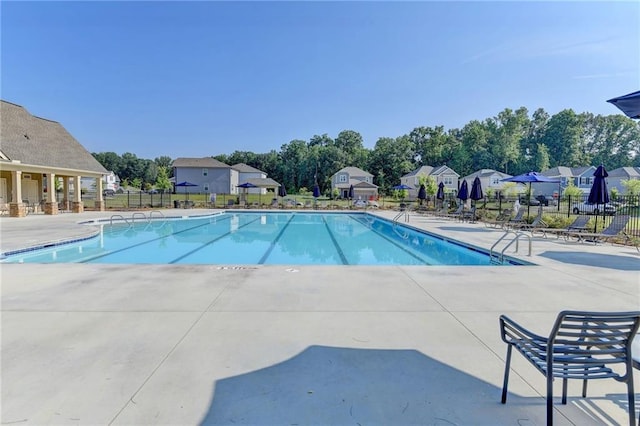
[(609, 261), (335, 385)]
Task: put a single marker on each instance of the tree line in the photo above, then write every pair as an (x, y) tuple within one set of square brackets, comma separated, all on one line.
[(512, 142)]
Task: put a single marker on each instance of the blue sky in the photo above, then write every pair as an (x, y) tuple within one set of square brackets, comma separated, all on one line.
[(193, 79)]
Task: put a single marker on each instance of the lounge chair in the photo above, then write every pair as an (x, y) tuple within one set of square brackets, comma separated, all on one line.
[(578, 225), (526, 226), (518, 219), (615, 229), (469, 215), (581, 345), (500, 220), (456, 214)]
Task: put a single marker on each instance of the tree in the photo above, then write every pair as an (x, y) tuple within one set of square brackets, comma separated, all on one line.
[(163, 161), (162, 179), (540, 159), (562, 138), (508, 130), (631, 186)]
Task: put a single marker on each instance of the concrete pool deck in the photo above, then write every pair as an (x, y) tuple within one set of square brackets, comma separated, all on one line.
[(243, 344)]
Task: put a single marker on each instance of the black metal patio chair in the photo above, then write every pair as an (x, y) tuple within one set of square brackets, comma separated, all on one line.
[(581, 345)]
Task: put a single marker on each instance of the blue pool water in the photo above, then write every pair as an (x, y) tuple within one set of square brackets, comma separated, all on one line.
[(282, 238)]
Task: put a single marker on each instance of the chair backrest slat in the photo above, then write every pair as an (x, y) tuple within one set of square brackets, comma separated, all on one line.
[(583, 338)]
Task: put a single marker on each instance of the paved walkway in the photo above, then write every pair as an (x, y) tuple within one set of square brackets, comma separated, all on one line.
[(242, 344)]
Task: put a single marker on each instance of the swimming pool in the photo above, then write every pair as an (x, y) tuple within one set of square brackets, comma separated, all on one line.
[(260, 238)]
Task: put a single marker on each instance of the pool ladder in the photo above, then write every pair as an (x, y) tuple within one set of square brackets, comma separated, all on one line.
[(405, 213), (498, 259)]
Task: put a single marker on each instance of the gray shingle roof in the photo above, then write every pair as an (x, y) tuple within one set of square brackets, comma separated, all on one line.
[(199, 162), (36, 141), (245, 168)]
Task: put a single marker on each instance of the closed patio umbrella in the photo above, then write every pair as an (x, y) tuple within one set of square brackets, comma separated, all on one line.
[(422, 194), (350, 196), (463, 192), (440, 193), (476, 190), (282, 192), (599, 193)]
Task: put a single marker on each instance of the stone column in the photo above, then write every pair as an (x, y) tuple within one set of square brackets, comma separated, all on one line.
[(77, 206), (16, 207), (51, 205)]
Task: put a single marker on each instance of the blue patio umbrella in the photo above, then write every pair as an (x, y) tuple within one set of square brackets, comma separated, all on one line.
[(422, 193), (476, 190), (316, 191), (599, 193), (350, 192), (463, 192), (530, 177), (629, 104), (401, 187), (186, 184), (246, 187)]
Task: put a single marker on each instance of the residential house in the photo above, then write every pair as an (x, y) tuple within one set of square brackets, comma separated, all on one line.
[(248, 174), (581, 177), (362, 182), (443, 174), (110, 181), (35, 154), (489, 179), (206, 175), (617, 176)]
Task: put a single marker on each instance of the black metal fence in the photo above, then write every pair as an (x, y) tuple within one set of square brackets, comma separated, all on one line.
[(563, 209)]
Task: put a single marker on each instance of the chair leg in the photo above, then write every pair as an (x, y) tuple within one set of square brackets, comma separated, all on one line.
[(564, 391), (549, 398), (584, 388), (632, 402), (506, 375)]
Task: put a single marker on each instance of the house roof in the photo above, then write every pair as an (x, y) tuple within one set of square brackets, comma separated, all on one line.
[(627, 172), (430, 171), (245, 168), (423, 170), (485, 173), (40, 142), (563, 171), (262, 182), (208, 162), (353, 171)]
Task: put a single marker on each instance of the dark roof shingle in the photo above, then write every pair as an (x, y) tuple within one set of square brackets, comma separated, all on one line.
[(41, 142)]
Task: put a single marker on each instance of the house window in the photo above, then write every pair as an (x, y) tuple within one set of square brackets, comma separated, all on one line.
[(447, 180), (205, 172), (205, 187), (585, 181), (342, 178), (495, 181)]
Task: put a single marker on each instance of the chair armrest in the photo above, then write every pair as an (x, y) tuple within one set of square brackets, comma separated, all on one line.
[(511, 332)]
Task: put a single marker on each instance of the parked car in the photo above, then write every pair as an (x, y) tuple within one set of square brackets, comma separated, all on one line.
[(590, 208), (108, 193)]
